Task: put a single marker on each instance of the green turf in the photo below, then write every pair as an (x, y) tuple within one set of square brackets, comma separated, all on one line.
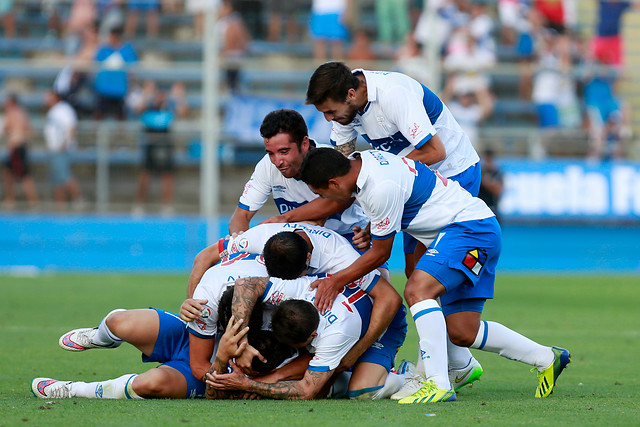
[(595, 317)]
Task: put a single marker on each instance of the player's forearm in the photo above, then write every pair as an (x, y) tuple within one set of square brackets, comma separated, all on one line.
[(219, 365), (366, 263), (203, 261), (346, 149), (431, 152), (384, 310), (304, 389), (245, 295), (291, 371), (240, 220), (315, 210)]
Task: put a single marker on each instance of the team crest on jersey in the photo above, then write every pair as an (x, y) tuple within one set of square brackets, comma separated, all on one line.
[(99, 391), (414, 130), (474, 260), (383, 224), (206, 313), (201, 325)]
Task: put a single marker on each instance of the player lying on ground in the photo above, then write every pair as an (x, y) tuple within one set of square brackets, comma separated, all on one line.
[(464, 242), (288, 254), (297, 322), (161, 337)]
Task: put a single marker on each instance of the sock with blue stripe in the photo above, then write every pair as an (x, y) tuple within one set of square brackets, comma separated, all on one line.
[(117, 388), (459, 357), (497, 338), (103, 335), (432, 331)]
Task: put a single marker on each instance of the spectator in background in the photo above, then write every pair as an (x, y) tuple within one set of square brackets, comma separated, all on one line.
[(235, 40), (157, 113), (81, 18), (17, 128), (510, 14), (327, 25), (283, 11), (491, 183), (110, 15), (470, 102), (152, 10), (111, 83), (361, 47), (6, 14), (60, 137), (393, 20), (198, 9), (411, 61), (607, 45)]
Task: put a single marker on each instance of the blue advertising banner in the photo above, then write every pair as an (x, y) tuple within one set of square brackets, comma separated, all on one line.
[(570, 189)]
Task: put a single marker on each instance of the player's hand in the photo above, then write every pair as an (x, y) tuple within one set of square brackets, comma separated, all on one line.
[(235, 380), (245, 359), (191, 309), (325, 295), (230, 342), (274, 219), (361, 238)]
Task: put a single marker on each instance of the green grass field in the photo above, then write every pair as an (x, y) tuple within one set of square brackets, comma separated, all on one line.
[(594, 317)]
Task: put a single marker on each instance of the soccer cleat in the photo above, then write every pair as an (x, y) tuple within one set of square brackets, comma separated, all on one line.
[(48, 388), (429, 392), (547, 377), (465, 376), (410, 386), (80, 340)]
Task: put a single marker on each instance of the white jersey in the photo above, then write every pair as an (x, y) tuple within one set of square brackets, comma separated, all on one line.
[(400, 194), (213, 284), (339, 328), (58, 129), (331, 252), (290, 193), (402, 115)]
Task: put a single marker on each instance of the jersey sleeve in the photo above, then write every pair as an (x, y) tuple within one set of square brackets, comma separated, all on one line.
[(258, 188), (385, 210), (408, 113), (342, 134), (206, 326), (330, 349)]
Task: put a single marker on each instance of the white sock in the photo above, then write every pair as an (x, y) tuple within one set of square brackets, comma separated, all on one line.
[(497, 338), (392, 384), (459, 357), (103, 336), (118, 388), (432, 331)]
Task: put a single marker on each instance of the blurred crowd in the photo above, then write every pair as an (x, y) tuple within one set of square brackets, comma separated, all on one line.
[(572, 82)]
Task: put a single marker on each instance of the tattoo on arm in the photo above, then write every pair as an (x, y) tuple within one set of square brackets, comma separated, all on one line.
[(245, 296), (220, 366), (347, 148), (292, 390)]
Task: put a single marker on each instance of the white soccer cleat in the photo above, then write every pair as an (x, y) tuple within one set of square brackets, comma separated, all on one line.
[(465, 376), (48, 388), (410, 386), (80, 340), (406, 367)]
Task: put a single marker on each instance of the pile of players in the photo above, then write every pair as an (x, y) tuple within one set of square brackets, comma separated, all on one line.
[(290, 310)]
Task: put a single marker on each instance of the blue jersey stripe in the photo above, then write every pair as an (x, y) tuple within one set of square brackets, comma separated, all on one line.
[(243, 206), (266, 291), (199, 335), (391, 144), (424, 141), (385, 237), (432, 104), (319, 368), (423, 186)]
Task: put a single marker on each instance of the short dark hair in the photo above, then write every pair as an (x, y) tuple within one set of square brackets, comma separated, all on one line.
[(285, 255), (294, 321), (331, 80), (284, 121), (273, 350), (224, 312), (322, 164), (12, 97)]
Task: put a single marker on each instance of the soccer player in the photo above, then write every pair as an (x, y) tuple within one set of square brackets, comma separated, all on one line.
[(277, 173), (464, 243), (161, 336), (297, 322), (291, 248)]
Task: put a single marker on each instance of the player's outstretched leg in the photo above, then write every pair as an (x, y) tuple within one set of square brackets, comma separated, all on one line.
[(87, 338), (549, 361)]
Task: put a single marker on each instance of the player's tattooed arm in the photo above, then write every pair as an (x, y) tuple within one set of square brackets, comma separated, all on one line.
[(246, 294), (219, 366), (347, 148), (304, 389)]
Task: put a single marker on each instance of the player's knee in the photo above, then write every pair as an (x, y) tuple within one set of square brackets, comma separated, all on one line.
[(415, 292), (461, 337), (151, 386), (118, 322)]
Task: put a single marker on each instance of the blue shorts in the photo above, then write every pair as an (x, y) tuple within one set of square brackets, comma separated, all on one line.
[(463, 259), (327, 27), (172, 349), (469, 179), (383, 352), (469, 304), (60, 165)]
